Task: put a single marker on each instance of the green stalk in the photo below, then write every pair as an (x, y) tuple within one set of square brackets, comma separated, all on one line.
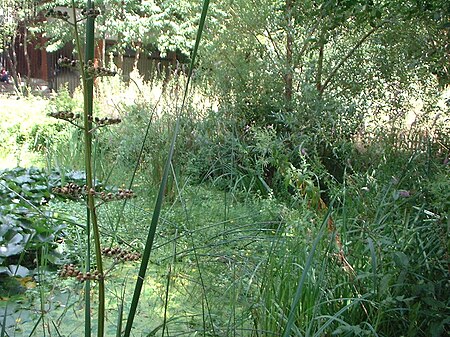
[(87, 287), (88, 111), (162, 187), (88, 90), (150, 237)]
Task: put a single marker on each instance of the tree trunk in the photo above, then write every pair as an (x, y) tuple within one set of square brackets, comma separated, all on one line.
[(288, 77), (119, 51), (320, 64), (120, 39), (138, 54), (27, 56), (11, 60)]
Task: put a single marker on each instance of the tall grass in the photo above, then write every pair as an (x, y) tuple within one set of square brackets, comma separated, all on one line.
[(397, 251), (162, 188)]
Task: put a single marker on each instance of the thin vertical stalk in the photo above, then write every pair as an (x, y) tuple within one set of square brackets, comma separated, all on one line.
[(39, 259), (170, 272), (87, 286), (88, 95), (120, 311), (88, 112)]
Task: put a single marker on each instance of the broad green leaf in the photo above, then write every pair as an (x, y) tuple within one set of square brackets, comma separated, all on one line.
[(15, 270), (23, 179)]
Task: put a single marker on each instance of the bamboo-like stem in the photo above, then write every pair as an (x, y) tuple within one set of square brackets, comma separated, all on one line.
[(88, 110), (87, 287), (88, 90)]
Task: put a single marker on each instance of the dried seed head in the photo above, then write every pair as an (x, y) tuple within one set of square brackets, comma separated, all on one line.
[(90, 12), (64, 115), (57, 14), (66, 62)]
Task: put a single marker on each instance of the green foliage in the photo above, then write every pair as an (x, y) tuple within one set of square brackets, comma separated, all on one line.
[(27, 226), (397, 249), (259, 159), (254, 257), (437, 194), (18, 120), (29, 184), (63, 100), (140, 26), (14, 12), (359, 69)]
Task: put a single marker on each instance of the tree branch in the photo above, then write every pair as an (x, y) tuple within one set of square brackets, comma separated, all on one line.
[(346, 57)]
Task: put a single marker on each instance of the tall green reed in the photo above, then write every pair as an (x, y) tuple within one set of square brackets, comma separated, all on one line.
[(88, 72)]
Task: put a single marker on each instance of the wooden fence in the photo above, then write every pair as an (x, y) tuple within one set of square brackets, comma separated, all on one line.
[(149, 69), (436, 143), (43, 65)]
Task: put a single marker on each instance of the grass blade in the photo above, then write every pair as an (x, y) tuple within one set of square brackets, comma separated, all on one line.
[(373, 262), (150, 237), (3, 332)]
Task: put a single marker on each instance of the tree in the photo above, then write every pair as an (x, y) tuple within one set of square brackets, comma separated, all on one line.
[(323, 72), (322, 37), (15, 17), (142, 26)]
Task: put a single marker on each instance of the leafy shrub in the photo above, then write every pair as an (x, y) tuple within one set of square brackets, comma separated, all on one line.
[(42, 136)]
